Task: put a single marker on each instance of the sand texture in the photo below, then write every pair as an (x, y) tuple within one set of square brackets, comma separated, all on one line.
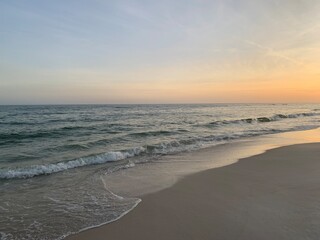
[(275, 195)]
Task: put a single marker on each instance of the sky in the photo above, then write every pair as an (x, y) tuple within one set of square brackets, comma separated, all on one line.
[(168, 51)]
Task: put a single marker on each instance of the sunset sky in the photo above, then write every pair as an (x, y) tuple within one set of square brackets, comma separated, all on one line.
[(168, 51)]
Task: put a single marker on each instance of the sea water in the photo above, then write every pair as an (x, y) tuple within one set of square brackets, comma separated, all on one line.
[(53, 158)]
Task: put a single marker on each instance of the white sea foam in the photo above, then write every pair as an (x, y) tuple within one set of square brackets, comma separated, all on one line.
[(4, 236), (161, 149), (37, 170), (138, 200), (159, 130), (119, 198)]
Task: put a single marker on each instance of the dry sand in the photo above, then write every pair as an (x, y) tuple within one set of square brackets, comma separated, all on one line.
[(275, 195)]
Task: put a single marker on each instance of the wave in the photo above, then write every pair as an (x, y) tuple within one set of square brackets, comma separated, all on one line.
[(166, 147), (37, 170), (115, 128), (16, 137), (152, 133), (6, 138), (273, 118), (163, 148)]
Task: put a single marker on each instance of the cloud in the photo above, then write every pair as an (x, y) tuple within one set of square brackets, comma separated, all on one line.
[(271, 52)]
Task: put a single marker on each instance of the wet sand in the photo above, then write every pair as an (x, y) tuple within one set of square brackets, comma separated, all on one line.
[(274, 195)]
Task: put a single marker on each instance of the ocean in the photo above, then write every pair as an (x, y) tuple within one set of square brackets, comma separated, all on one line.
[(53, 158)]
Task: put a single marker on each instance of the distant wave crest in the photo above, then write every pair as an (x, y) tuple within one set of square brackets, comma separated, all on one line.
[(276, 117)]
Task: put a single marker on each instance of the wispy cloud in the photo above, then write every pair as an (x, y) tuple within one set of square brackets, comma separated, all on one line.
[(161, 44), (267, 51)]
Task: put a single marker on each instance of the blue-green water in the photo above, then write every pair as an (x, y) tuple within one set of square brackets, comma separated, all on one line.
[(52, 157)]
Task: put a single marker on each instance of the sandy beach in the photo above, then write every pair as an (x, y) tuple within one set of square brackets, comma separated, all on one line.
[(274, 195)]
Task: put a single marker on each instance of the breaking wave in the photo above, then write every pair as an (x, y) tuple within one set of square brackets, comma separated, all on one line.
[(37, 170), (276, 117), (165, 148)]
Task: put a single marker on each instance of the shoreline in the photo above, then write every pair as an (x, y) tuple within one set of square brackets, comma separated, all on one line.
[(163, 173), (162, 215)]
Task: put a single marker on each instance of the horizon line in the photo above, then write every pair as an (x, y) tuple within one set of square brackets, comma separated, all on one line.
[(204, 103)]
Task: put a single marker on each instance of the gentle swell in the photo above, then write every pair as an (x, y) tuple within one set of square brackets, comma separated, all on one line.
[(164, 148)]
